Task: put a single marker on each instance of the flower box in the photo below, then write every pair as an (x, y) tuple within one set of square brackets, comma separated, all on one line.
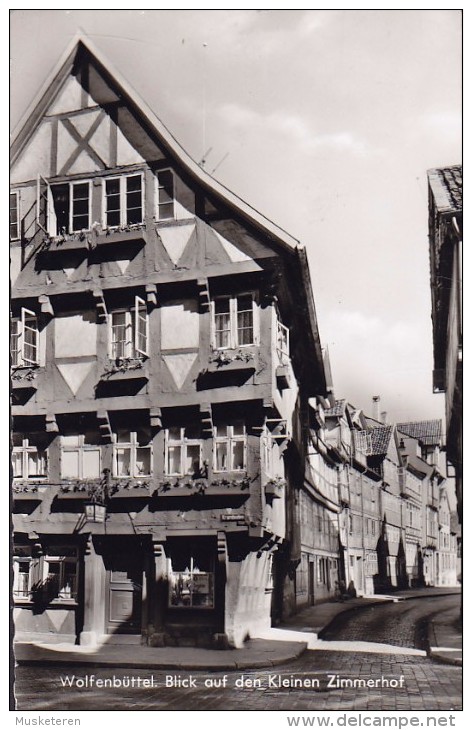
[(116, 236)]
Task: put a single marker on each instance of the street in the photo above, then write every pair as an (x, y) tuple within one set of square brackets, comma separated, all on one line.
[(319, 680)]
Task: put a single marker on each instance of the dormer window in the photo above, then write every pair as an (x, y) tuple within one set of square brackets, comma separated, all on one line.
[(123, 204)]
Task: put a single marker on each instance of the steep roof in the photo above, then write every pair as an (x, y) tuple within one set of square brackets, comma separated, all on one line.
[(446, 187), (380, 439), (427, 432), (338, 408)]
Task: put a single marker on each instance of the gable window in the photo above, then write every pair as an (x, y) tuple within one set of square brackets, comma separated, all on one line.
[(165, 194), (14, 215), (230, 447), (28, 461), (183, 451), (234, 321), (69, 207), (60, 574), (131, 454), (22, 574), (80, 457), (24, 339), (129, 333), (123, 203)]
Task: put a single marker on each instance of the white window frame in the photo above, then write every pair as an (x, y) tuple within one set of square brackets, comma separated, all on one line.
[(229, 439), (233, 322), (24, 451), (22, 328), (80, 449), (132, 446), (16, 195), (18, 594), (158, 187), (137, 324), (182, 442), (123, 199), (51, 221), (282, 339), (64, 596)]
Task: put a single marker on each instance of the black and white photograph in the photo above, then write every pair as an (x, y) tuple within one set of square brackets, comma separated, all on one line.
[(236, 365)]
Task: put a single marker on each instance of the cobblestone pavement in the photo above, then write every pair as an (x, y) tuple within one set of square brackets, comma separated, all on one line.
[(425, 686), (400, 624)]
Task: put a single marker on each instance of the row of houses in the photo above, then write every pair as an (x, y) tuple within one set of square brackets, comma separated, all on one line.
[(182, 473)]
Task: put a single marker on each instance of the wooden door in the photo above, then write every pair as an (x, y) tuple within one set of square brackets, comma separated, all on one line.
[(124, 594)]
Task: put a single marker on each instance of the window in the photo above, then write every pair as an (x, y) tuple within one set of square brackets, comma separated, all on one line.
[(230, 447), (183, 451), (14, 216), (191, 577), (282, 343), (123, 204), (24, 339), (69, 209), (165, 194), (80, 457), (234, 321), (129, 331), (28, 461), (131, 454), (60, 573), (22, 574)]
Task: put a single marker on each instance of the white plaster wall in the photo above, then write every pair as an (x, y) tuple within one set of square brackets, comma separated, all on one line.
[(247, 603), (75, 335), (180, 325)]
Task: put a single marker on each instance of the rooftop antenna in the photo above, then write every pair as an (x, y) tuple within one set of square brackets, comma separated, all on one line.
[(219, 163), (202, 162)]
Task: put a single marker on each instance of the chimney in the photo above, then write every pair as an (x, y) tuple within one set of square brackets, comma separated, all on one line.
[(376, 407)]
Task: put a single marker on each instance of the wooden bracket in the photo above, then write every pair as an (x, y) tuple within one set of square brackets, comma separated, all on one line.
[(206, 418), (46, 305), (151, 295), (100, 305), (104, 426), (203, 295), (155, 417), (51, 424)]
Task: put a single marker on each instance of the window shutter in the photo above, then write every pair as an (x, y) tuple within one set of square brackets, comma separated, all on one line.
[(29, 337), (141, 327)]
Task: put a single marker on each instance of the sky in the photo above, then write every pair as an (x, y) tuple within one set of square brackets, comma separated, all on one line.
[(326, 121)]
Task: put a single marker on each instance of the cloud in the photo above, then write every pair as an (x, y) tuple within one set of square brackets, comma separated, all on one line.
[(291, 126)]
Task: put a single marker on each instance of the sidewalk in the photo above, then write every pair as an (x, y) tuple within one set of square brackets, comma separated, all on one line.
[(276, 646)]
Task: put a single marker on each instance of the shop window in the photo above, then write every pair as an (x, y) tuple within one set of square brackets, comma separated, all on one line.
[(191, 577), (14, 215), (68, 207), (230, 447), (123, 204), (132, 454), (80, 457), (24, 339), (22, 574), (29, 461), (234, 321), (129, 331), (183, 448), (60, 574), (165, 194)]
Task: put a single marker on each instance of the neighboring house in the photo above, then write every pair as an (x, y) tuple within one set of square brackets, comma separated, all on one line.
[(447, 548), (164, 351), (445, 250)]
